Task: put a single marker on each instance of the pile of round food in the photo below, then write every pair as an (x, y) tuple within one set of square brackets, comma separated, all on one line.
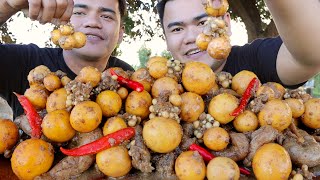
[(169, 120)]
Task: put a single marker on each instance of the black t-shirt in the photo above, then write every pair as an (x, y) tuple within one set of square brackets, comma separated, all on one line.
[(260, 57), (16, 61)]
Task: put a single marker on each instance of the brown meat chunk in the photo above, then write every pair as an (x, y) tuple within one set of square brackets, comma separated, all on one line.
[(140, 154), (239, 148), (71, 165), (263, 135), (307, 153)]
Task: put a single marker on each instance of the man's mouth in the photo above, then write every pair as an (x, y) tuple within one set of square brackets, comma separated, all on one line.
[(192, 52), (94, 37)]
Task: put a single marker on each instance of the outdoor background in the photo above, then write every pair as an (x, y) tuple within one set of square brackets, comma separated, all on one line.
[(144, 38)]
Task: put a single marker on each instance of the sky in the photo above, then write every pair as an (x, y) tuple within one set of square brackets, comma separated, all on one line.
[(27, 31)]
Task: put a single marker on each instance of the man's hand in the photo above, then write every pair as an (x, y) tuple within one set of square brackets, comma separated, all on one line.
[(45, 10)]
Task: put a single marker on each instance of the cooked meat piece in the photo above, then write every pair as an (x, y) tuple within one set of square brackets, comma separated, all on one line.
[(307, 153), (165, 163), (186, 138), (5, 110), (263, 135), (139, 152), (71, 165), (239, 148), (315, 170), (92, 173)]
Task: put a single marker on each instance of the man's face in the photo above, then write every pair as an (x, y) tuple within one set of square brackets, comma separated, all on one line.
[(183, 21), (100, 21)]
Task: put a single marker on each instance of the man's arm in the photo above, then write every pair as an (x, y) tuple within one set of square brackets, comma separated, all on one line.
[(41, 10), (298, 25)]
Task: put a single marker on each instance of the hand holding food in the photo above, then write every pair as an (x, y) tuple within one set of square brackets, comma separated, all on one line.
[(67, 38), (214, 38)]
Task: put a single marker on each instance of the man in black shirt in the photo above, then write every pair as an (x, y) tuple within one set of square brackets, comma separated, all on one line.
[(101, 21), (290, 60)]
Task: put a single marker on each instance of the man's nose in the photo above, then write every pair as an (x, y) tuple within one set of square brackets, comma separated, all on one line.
[(191, 34), (93, 21)]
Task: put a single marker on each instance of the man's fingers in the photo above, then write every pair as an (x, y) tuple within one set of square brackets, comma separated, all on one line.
[(68, 12), (34, 8), (61, 8), (49, 9)]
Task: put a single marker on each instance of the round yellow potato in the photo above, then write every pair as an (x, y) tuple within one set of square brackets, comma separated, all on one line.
[(67, 42), (158, 69), (51, 82), (113, 124), (31, 158), (164, 85), (37, 95), (80, 39), (57, 100), (217, 10), (55, 36), (267, 90), (216, 138), (271, 161), (278, 89), (246, 121), (65, 80), (275, 113), (56, 126), (241, 81), (9, 135), (142, 76), (123, 92), (198, 77), (189, 165), (86, 116), (296, 106), (109, 102), (219, 48), (191, 107), (90, 75), (311, 116), (156, 59), (221, 106), (137, 103), (222, 168), (114, 162), (37, 74), (161, 134)]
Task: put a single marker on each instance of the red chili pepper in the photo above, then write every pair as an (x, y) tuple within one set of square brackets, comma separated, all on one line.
[(207, 156), (134, 85), (246, 97), (101, 144), (33, 117)]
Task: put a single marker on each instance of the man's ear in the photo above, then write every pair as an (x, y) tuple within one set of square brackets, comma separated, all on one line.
[(227, 19), (121, 32)]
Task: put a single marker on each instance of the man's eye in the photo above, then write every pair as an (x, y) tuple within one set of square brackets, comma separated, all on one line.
[(201, 23), (78, 13), (107, 17), (176, 29)]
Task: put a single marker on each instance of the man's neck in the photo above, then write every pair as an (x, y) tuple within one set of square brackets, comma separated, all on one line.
[(76, 63), (218, 67)]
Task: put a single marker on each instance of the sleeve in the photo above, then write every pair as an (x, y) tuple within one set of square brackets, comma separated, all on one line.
[(260, 57)]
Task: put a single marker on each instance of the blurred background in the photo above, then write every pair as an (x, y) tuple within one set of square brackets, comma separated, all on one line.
[(250, 20)]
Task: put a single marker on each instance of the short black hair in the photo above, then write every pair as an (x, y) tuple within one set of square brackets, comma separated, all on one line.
[(122, 8), (160, 8)]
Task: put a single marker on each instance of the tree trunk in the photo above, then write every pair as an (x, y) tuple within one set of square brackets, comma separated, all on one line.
[(250, 15)]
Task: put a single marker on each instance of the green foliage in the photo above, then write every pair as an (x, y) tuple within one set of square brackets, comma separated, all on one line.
[(144, 54), (316, 90), (166, 54), (5, 35)]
